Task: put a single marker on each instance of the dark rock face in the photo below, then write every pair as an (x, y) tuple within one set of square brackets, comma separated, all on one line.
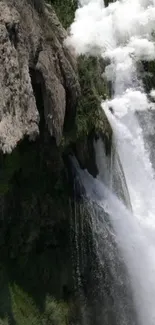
[(30, 41), (38, 5), (39, 91)]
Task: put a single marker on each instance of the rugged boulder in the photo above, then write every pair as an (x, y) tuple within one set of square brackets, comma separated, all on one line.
[(32, 53)]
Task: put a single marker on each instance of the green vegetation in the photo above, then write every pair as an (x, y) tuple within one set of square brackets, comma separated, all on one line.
[(24, 309), (25, 312), (65, 10), (93, 87), (56, 313), (35, 241), (90, 117)]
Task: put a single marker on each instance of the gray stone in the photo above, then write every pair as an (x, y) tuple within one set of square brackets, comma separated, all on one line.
[(32, 41)]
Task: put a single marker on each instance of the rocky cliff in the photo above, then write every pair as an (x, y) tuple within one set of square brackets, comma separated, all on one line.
[(49, 108), (33, 60)]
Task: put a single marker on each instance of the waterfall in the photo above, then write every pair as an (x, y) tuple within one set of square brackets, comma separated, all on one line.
[(135, 247), (111, 171), (123, 35), (104, 289)]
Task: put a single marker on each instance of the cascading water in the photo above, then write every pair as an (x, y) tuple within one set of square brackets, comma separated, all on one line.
[(108, 296), (111, 171), (134, 245), (123, 34)]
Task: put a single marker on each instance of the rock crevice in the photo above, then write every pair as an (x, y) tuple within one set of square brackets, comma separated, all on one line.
[(32, 41)]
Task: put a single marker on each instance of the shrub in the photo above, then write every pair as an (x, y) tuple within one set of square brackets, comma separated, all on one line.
[(65, 10), (23, 307), (25, 312), (56, 313)]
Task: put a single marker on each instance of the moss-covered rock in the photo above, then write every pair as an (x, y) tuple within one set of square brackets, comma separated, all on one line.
[(90, 116)]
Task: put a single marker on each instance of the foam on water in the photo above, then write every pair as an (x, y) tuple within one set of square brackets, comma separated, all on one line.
[(123, 32)]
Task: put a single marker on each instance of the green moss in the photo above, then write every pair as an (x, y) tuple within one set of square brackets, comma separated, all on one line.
[(25, 312), (36, 232), (94, 90), (90, 116), (23, 307), (55, 312), (65, 10)]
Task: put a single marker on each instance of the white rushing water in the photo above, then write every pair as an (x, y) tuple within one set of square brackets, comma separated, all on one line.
[(135, 246), (123, 35)]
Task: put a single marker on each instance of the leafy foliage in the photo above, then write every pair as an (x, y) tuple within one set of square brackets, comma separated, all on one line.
[(23, 307), (55, 312), (32, 178), (65, 10), (25, 311), (89, 114), (90, 117), (93, 87)]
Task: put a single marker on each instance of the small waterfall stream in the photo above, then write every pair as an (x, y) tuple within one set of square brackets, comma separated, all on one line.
[(123, 34)]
